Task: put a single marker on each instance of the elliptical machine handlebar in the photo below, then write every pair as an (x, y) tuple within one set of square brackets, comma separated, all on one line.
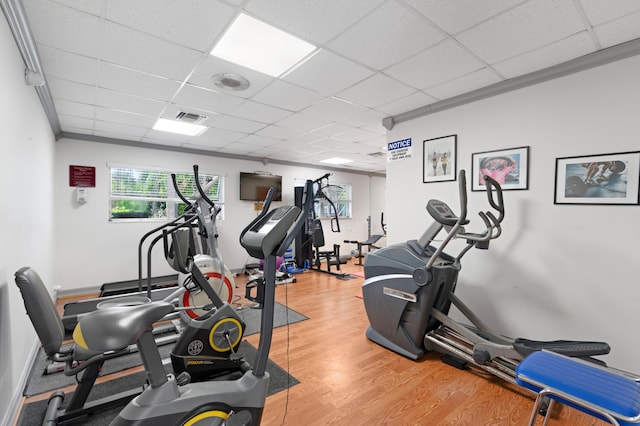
[(202, 191), (445, 217), (491, 184)]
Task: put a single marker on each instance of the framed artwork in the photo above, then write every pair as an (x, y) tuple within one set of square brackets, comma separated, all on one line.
[(508, 167), (439, 162), (610, 179)]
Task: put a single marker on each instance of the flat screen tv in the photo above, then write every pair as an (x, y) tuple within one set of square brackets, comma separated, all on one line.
[(254, 186)]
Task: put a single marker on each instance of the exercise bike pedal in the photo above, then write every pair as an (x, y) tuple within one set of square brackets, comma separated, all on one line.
[(455, 361), (183, 378)]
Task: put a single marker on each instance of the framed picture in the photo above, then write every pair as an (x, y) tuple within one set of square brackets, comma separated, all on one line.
[(439, 162), (598, 179), (508, 167)]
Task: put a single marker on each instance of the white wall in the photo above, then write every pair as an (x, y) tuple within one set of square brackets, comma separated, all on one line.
[(90, 250), (558, 271), (26, 217)]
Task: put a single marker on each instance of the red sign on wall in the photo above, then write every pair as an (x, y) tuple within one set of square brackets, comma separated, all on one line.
[(82, 176)]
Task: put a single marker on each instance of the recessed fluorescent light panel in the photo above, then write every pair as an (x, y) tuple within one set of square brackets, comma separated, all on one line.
[(336, 160), (261, 47), (182, 128)]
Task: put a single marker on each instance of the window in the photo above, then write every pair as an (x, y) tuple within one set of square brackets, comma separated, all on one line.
[(340, 195), (149, 194)]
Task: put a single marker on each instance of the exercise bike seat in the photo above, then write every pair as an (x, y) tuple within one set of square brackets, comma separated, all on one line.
[(571, 348), (118, 327)]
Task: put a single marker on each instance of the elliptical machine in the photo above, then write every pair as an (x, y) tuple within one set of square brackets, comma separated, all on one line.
[(207, 255), (409, 288)]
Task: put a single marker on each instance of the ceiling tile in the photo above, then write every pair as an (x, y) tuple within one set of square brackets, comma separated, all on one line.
[(547, 56), (222, 135), (175, 137), (77, 123), (312, 20), (328, 143), (454, 16), (119, 130), (301, 122), (446, 61), (71, 91), (58, 26), (127, 118), (74, 108), (212, 140), (305, 138), (333, 109), (129, 103), (599, 12), (376, 90), (142, 52), (90, 6), (257, 140), (526, 27), (277, 132), (212, 65), (355, 135), (193, 23), (287, 96), (138, 83), (328, 73), (236, 124), (331, 129), (466, 83), (408, 103), (364, 118), (258, 112), (238, 148), (619, 31), (262, 151), (68, 66), (206, 100), (390, 34)]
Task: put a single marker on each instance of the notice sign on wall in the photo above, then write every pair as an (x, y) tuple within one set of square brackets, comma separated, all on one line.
[(399, 150), (84, 176)]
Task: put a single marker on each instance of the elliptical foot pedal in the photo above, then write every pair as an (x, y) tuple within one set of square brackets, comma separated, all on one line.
[(241, 418), (455, 361)]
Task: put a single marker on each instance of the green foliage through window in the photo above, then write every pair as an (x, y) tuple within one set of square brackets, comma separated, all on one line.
[(149, 194), (340, 194)]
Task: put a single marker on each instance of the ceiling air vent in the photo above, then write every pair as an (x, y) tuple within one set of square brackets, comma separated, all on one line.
[(189, 117)]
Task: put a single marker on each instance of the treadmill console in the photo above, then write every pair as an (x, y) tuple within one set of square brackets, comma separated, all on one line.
[(265, 235)]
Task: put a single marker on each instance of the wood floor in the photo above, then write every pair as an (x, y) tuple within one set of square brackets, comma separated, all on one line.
[(345, 379)]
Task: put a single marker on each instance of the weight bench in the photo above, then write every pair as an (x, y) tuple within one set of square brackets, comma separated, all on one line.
[(608, 394), (369, 244)]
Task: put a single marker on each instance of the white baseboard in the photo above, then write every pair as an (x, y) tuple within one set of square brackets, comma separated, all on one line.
[(11, 415)]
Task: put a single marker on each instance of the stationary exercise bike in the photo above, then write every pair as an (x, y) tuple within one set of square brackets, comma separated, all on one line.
[(409, 288), (174, 400)]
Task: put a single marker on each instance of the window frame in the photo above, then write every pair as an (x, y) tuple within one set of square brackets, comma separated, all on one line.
[(344, 206), (167, 197)]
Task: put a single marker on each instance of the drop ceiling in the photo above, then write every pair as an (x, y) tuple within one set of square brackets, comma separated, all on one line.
[(113, 67)]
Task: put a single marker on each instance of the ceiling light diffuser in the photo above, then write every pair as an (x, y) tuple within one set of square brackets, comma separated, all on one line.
[(180, 127), (261, 47), (336, 160)]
